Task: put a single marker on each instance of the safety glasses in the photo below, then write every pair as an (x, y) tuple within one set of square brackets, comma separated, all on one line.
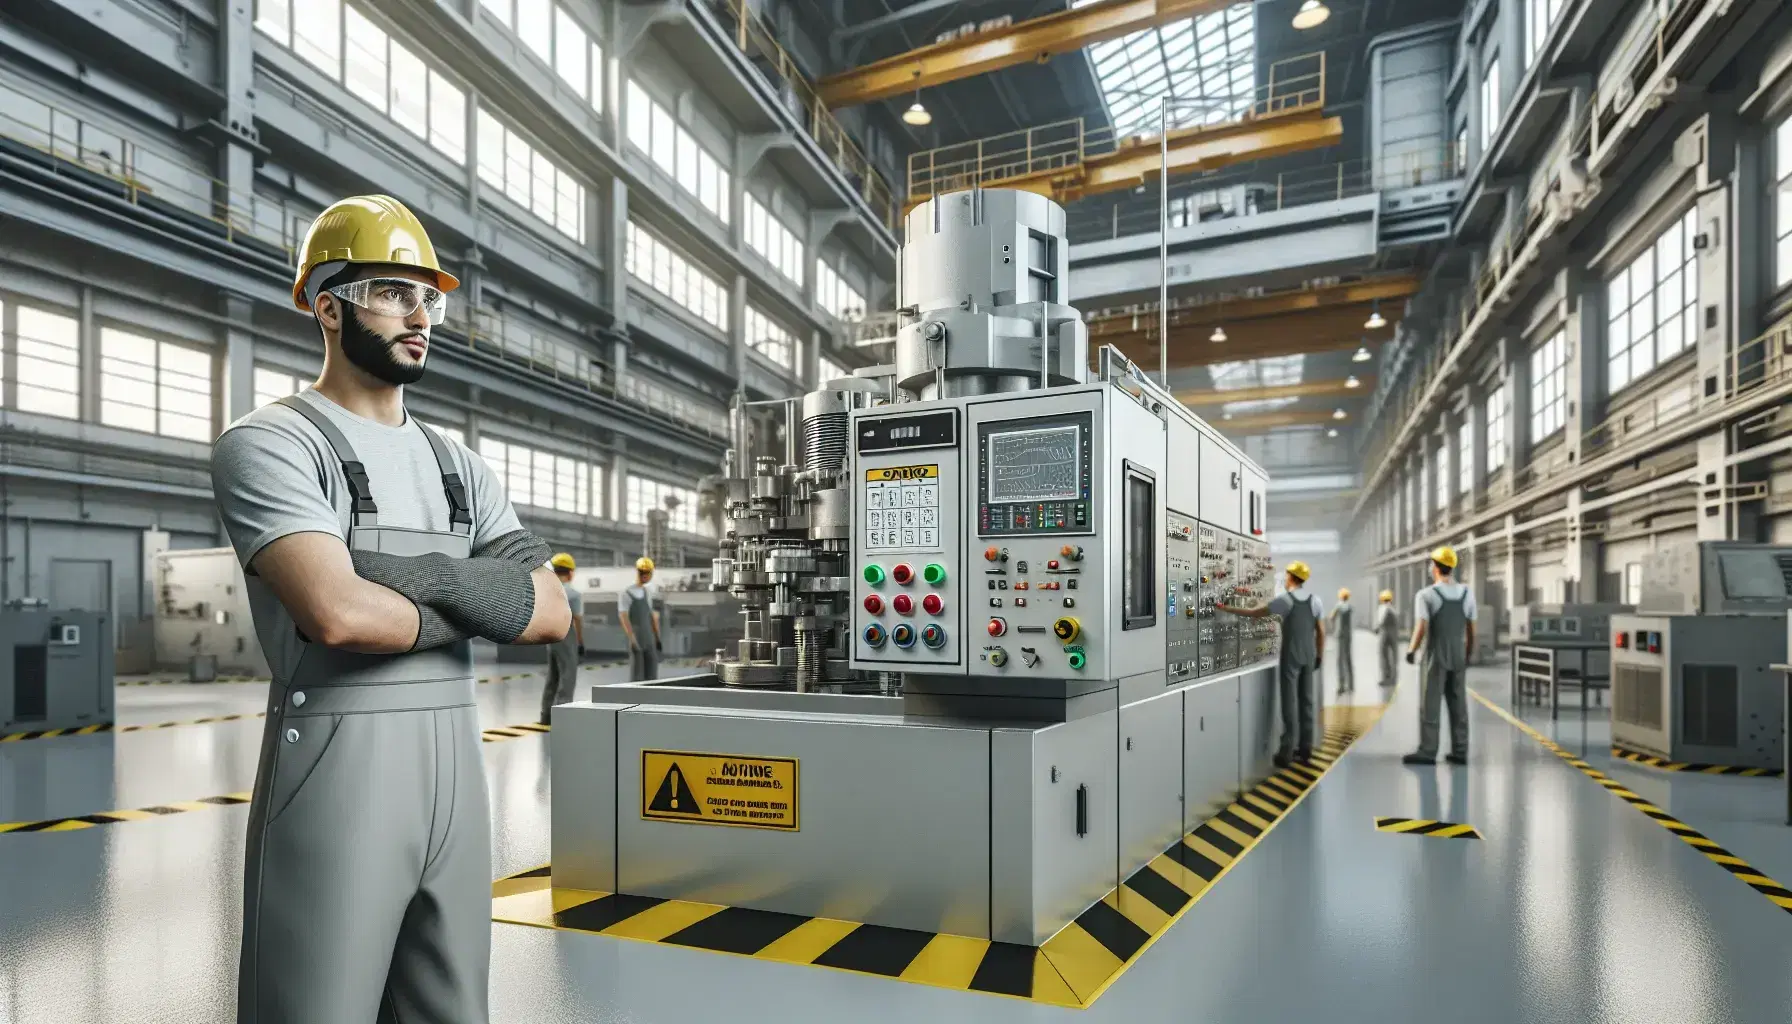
[(395, 297)]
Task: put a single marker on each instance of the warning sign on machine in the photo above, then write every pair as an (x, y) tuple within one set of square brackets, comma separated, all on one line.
[(719, 789)]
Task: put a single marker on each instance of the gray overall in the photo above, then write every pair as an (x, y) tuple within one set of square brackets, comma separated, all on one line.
[(644, 660), (563, 666), (1388, 629), (1340, 638), (367, 887), (1300, 657), (1445, 674)]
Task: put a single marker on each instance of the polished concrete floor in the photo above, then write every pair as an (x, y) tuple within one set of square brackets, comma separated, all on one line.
[(1573, 908)]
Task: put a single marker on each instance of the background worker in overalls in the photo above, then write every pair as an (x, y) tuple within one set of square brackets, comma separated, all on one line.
[(563, 657), (1387, 629), (1338, 626), (640, 616), (1444, 625), (374, 550), (1303, 646)]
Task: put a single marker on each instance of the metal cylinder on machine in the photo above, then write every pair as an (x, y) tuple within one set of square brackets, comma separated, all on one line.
[(824, 430), (984, 272)]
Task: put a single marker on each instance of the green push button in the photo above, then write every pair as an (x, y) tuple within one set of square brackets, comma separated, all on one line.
[(874, 574), (1078, 659), (935, 573)]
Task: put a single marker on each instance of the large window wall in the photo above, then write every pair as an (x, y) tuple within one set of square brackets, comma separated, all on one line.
[(509, 164), (553, 34), (832, 293), (1490, 101), (657, 265), (1549, 387), (543, 479), (645, 493), (155, 386), (1499, 407), (654, 131), (345, 44), (767, 236), (1465, 458), (1652, 305), (1539, 15), (47, 355), (1782, 218), (771, 340)]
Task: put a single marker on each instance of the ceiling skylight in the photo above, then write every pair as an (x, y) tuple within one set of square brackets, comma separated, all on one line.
[(1207, 65), (1274, 371)]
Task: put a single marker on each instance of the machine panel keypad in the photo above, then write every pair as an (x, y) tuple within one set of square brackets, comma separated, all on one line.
[(907, 609)]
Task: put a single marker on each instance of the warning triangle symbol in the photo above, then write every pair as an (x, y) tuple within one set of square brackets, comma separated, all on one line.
[(674, 795)]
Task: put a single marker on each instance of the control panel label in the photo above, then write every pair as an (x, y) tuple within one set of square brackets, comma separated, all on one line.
[(902, 507), (719, 789)]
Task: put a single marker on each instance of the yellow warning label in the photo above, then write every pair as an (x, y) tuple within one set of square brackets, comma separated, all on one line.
[(903, 473), (719, 789)]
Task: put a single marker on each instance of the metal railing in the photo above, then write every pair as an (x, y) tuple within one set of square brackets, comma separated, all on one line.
[(1296, 85), (756, 39), (1551, 200), (1217, 195)]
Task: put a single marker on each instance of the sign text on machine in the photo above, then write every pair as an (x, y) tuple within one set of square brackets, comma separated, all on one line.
[(719, 789)]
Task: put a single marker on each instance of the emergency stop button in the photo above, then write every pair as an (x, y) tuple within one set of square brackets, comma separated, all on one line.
[(903, 574), (998, 627)]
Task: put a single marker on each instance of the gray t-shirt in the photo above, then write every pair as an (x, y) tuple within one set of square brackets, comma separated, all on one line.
[(273, 475), (627, 596), (1431, 599), (1281, 604), (575, 599)]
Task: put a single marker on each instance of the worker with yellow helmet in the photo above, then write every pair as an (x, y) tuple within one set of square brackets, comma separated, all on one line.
[(1387, 629), (563, 657), (1444, 627), (1303, 647), (638, 608), (1338, 626), (375, 550)]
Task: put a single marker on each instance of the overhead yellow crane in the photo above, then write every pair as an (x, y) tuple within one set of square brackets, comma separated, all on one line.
[(1305, 389), (1257, 423), (1067, 160), (1023, 42)]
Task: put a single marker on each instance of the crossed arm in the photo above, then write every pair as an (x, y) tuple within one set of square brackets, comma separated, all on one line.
[(375, 603)]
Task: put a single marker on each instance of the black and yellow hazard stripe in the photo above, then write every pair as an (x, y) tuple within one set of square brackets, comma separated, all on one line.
[(1423, 827), (81, 821), (1651, 761), (511, 732), (1741, 869), (1072, 969), (89, 730)]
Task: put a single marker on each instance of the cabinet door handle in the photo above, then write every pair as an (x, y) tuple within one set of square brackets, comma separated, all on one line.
[(1082, 811)]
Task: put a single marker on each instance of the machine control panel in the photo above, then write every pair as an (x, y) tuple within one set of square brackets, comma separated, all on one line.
[(1182, 599), (908, 610), (1034, 476), (1216, 555), (1257, 638)]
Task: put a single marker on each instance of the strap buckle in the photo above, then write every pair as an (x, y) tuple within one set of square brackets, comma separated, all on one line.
[(459, 512), (359, 488)]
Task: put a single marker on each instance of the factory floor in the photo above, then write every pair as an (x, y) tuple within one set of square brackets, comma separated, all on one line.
[(1574, 906)]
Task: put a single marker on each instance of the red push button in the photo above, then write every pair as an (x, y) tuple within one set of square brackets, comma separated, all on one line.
[(992, 553), (1621, 640), (933, 604), (997, 627), (1051, 563), (874, 604), (903, 604), (903, 573)]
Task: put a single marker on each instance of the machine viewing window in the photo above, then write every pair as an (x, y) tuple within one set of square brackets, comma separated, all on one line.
[(1139, 569), (1036, 465)]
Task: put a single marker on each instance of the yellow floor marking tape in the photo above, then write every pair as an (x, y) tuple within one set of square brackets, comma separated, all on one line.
[(1423, 827), (1776, 893), (1071, 969)]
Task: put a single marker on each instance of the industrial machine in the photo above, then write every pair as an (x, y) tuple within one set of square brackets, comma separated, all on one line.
[(695, 618), (1565, 623), (202, 622), (980, 678), (1690, 670), (59, 674)]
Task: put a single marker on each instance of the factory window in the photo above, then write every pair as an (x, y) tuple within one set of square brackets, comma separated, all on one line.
[(655, 132), (552, 34), (832, 293), (374, 67), (826, 369), (535, 27), (275, 384), (1460, 150), (48, 351), (655, 264), (1498, 406), (1652, 306), (766, 337), (1440, 477), (1465, 457), (1549, 387), (508, 163), (542, 479), (1211, 55), (1633, 584), (1490, 101), (1539, 16), (644, 494), (155, 386), (1782, 223), (767, 236)]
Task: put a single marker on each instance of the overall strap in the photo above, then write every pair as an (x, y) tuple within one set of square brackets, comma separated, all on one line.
[(459, 512), (363, 510)]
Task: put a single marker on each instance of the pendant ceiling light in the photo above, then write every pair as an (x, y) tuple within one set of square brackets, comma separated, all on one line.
[(1362, 355), (1218, 335), (1352, 382), (1312, 13), (1376, 320), (916, 114), (1338, 414), (1331, 431)]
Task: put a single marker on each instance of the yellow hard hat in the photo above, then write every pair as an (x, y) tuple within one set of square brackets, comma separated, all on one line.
[(1299, 571), (367, 229), (563, 561), (643, 564), (1387, 597), (1445, 556), (1344, 593)]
